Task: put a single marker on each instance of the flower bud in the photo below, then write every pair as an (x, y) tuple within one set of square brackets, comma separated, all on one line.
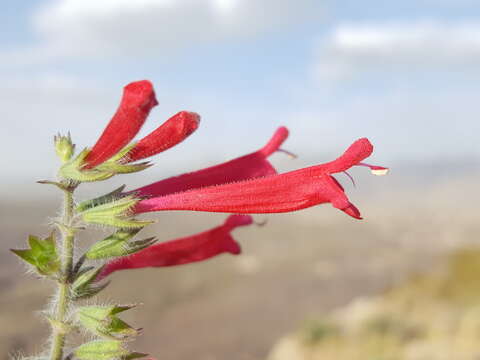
[(64, 147)]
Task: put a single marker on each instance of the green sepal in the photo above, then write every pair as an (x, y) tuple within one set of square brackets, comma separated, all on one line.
[(101, 350), (118, 207), (111, 196), (84, 285), (118, 168), (90, 291), (117, 222), (117, 163), (102, 321), (64, 147), (122, 155), (73, 170), (42, 254), (134, 355), (115, 214), (118, 244)]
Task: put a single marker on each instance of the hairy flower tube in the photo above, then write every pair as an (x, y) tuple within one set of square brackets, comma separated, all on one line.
[(271, 194), (250, 166), (185, 250), (242, 186)]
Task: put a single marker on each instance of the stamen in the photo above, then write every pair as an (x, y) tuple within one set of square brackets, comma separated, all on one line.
[(261, 223), (290, 154), (376, 170), (351, 178)]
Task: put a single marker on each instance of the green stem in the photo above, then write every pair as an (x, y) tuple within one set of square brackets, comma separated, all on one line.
[(63, 302)]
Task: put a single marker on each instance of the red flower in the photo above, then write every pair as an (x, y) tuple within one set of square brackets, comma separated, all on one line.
[(137, 101), (246, 167), (272, 194), (170, 133), (185, 250)]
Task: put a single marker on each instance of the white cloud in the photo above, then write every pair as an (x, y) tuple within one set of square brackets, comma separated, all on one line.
[(350, 49), (102, 28)]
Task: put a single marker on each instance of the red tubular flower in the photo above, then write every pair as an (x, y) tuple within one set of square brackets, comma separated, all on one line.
[(246, 167), (287, 192), (185, 250), (137, 101), (170, 133)]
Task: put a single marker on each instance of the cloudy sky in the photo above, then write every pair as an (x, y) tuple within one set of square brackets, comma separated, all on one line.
[(406, 74)]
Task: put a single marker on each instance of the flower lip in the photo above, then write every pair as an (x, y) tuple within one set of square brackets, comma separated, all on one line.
[(142, 92), (278, 138), (358, 151)]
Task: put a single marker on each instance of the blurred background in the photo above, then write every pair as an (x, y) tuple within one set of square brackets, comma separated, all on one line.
[(310, 285)]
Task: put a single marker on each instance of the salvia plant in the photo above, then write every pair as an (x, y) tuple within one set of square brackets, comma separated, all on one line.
[(242, 186)]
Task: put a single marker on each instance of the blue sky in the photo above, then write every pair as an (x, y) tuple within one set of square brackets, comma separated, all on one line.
[(405, 74)]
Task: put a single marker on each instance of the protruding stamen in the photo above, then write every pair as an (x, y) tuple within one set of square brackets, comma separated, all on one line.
[(290, 154), (261, 223), (351, 178), (376, 170)]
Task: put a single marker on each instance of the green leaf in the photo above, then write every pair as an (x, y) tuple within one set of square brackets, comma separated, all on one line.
[(118, 244), (112, 196), (42, 254), (101, 350), (74, 170)]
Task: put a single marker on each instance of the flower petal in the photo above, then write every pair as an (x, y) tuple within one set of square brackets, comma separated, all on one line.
[(287, 192), (185, 250), (246, 167), (137, 101), (170, 133)]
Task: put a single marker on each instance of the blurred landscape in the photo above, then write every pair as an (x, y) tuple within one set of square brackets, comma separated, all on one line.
[(297, 267)]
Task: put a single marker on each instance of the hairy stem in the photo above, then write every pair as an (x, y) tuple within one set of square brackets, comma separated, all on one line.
[(64, 285)]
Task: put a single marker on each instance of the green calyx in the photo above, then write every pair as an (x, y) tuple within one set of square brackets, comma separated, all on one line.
[(103, 321), (118, 244), (101, 200), (84, 285), (42, 255), (105, 350), (74, 170), (115, 213), (118, 163), (64, 147)]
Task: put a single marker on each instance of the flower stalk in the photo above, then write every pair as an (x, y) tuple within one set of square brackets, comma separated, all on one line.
[(65, 276)]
